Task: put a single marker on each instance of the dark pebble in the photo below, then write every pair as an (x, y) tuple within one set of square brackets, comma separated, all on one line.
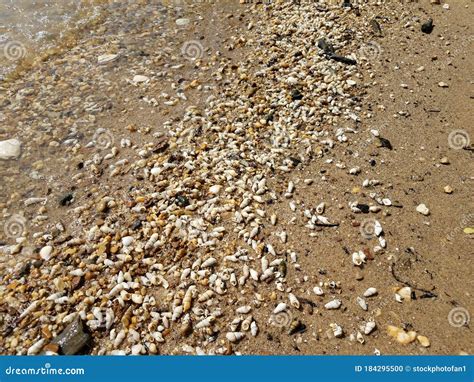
[(427, 27)]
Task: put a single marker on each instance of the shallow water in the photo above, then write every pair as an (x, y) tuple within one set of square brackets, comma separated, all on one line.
[(27, 26)]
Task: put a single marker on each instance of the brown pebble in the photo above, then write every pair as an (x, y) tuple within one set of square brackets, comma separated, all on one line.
[(448, 190), (46, 332), (53, 348)]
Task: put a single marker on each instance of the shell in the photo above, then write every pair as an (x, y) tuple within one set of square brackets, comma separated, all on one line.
[(320, 208), (205, 322), (405, 293), (369, 327), (188, 298), (358, 258), (244, 309), (424, 341), (337, 330), (234, 336), (206, 296), (334, 304), (177, 312), (254, 329), (362, 303), (293, 301), (246, 323), (370, 292), (281, 307), (36, 347), (400, 335), (209, 263), (235, 324), (360, 337), (318, 291), (295, 326)]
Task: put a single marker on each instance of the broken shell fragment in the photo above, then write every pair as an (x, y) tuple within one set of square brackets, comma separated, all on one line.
[(294, 301), (401, 335), (358, 258), (424, 341), (369, 327), (234, 336), (362, 303)]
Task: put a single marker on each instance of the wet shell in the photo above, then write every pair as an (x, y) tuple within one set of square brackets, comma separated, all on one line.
[(334, 304), (234, 336), (370, 292)]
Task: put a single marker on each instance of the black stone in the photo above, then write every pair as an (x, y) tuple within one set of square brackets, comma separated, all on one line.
[(427, 27), (66, 199)]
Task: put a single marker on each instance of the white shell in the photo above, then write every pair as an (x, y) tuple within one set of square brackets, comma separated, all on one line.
[(377, 228), (234, 336), (254, 328), (337, 330), (205, 296), (358, 258), (370, 292), (318, 291), (281, 307), (244, 309), (205, 322), (209, 263), (246, 323), (294, 301), (369, 327), (362, 303), (334, 304)]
